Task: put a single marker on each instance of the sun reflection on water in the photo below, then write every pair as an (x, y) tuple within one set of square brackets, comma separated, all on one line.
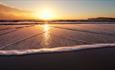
[(46, 27), (46, 35)]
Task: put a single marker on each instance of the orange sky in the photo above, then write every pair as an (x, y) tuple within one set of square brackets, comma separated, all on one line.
[(66, 9)]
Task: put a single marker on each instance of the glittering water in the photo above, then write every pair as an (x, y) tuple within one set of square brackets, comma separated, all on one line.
[(54, 35)]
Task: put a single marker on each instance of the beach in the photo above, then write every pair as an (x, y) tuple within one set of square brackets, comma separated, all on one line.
[(57, 46), (98, 58), (22, 37)]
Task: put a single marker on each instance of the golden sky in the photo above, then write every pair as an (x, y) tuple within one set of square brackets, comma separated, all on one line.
[(65, 9)]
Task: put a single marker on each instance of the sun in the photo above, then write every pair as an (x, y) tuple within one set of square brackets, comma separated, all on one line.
[(46, 15)]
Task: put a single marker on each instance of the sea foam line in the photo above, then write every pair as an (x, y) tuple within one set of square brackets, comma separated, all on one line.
[(57, 49)]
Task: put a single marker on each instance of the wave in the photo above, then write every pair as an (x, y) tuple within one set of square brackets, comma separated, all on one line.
[(51, 50)]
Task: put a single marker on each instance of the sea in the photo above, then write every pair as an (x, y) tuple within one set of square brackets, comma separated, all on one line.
[(38, 36)]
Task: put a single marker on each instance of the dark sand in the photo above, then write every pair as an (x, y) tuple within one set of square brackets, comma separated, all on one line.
[(85, 59)]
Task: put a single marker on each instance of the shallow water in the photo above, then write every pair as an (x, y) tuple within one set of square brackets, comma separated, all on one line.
[(22, 37)]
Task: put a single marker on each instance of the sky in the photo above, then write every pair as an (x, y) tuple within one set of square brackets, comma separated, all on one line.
[(67, 9)]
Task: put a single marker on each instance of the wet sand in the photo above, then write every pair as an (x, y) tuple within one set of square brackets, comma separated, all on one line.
[(84, 59), (22, 37)]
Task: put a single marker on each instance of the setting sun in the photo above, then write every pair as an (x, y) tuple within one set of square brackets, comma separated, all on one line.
[(46, 15)]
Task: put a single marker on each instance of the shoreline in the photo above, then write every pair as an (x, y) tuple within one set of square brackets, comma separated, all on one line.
[(84, 59), (41, 23)]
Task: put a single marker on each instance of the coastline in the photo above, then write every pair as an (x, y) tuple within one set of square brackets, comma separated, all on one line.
[(83, 59)]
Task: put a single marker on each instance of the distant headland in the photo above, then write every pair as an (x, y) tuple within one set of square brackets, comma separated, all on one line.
[(98, 19)]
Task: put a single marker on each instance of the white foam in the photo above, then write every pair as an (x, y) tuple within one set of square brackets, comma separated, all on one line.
[(57, 49)]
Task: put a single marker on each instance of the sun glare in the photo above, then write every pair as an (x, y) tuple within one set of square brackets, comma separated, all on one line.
[(46, 15), (46, 27)]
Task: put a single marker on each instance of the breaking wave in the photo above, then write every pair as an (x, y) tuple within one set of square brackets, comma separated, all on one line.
[(57, 49)]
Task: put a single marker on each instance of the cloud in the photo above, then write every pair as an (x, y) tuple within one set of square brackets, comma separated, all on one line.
[(7, 12)]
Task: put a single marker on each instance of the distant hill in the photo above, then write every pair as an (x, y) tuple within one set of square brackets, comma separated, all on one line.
[(108, 19), (7, 12), (98, 19)]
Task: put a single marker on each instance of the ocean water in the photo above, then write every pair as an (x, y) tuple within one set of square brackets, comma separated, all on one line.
[(27, 37)]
